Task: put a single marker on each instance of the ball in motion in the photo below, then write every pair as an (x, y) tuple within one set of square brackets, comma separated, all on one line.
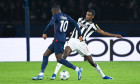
[(64, 75)]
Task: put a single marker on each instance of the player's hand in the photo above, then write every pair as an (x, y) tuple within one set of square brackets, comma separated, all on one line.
[(70, 33), (118, 36), (44, 36), (80, 38)]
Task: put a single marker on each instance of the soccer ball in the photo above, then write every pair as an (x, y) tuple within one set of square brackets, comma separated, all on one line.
[(64, 75)]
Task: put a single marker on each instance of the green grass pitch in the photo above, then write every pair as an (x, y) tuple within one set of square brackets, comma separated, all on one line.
[(22, 72)]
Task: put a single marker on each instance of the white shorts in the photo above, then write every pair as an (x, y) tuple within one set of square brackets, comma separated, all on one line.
[(80, 47)]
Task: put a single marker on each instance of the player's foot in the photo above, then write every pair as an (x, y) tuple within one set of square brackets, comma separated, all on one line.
[(38, 77), (107, 77), (79, 73), (53, 77)]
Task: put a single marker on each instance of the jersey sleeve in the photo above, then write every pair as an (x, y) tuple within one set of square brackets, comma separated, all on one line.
[(95, 27), (50, 24), (79, 19), (76, 25)]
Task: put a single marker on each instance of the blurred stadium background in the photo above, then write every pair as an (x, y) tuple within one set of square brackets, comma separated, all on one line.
[(114, 16)]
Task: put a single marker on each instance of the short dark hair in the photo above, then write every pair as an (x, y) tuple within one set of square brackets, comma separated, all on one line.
[(56, 7), (92, 11)]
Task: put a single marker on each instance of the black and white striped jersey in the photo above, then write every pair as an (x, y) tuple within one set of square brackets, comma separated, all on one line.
[(87, 28)]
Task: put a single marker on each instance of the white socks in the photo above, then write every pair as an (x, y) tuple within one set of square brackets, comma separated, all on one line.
[(77, 69), (58, 66), (56, 69), (41, 73), (97, 68)]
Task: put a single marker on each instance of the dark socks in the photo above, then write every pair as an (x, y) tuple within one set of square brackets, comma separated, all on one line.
[(66, 63), (44, 63)]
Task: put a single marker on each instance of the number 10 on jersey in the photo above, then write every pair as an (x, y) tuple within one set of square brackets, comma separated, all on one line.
[(64, 26)]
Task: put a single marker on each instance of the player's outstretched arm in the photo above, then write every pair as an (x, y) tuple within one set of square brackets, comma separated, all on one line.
[(47, 27), (108, 34)]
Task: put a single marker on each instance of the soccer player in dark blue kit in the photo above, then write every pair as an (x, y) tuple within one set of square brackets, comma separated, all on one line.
[(60, 22)]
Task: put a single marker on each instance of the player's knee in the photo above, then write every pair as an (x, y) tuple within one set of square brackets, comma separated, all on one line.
[(67, 52), (65, 56), (68, 48), (44, 54)]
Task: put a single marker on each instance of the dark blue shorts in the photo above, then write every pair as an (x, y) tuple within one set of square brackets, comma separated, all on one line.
[(57, 47)]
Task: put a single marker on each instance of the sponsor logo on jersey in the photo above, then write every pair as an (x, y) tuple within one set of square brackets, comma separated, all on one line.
[(64, 18)]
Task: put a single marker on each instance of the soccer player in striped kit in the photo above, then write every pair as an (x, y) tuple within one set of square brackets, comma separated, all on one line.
[(87, 28)]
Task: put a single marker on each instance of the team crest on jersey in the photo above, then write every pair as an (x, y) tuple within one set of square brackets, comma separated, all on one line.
[(64, 18)]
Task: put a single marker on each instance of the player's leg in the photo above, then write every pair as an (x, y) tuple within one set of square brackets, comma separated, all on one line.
[(47, 53), (64, 61), (96, 67), (67, 52), (83, 51), (69, 65), (58, 66), (58, 52)]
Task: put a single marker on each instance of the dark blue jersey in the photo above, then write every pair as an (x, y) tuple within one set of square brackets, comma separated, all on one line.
[(61, 22)]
